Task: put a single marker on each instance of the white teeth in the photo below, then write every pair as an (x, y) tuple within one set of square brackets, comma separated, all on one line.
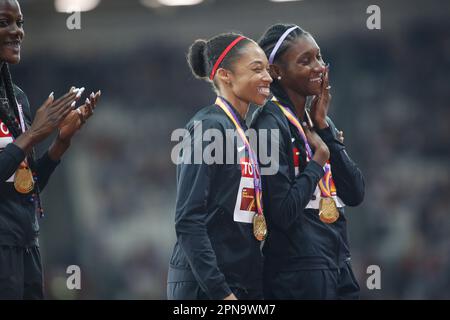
[(264, 90), (318, 79)]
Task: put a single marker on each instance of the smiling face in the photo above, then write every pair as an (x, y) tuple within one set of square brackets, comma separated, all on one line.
[(249, 78), (301, 67), (11, 31)]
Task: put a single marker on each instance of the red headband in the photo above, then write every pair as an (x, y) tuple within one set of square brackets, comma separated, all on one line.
[(223, 54)]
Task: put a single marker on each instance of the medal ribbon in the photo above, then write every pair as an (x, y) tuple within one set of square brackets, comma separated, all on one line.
[(22, 123), (253, 159), (326, 182)]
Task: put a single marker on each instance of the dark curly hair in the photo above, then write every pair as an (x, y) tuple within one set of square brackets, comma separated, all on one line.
[(203, 54)]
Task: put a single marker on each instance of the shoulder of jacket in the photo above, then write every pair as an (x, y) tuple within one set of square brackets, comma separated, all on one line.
[(269, 115), (210, 117), (20, 95), (18, 91), (334, 130)]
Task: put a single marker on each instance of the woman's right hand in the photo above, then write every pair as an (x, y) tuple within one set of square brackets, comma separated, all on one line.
[(48, 117), (321, 151)]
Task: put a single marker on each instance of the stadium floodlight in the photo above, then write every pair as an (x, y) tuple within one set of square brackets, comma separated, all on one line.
[(179, 2), (75, 5), (285, 0)]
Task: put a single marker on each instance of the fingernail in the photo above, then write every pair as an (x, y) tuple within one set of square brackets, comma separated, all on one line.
[(80, 92), (51, 95), (87, 100), (73, 104)]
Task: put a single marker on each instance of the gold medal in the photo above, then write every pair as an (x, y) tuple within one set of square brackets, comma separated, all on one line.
[(328, 212), (23, 179), (259, 227)]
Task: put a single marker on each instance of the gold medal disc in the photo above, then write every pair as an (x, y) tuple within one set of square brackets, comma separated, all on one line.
[(259, 227), (328, 211), (23, 180)]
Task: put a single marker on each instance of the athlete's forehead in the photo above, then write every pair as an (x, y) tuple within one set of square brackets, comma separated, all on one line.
[(8, 7)]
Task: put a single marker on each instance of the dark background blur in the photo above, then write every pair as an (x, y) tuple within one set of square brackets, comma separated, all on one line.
[(110, 204)]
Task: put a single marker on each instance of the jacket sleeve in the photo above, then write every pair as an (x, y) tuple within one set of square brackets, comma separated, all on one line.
[(285, 198), (346, 174), (10, 158), (193, 185), (44, 165)]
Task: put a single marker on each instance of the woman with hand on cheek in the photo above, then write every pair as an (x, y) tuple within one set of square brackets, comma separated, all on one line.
[(307, 255)]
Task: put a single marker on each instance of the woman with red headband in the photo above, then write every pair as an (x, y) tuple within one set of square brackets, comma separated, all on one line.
[(219, 220)]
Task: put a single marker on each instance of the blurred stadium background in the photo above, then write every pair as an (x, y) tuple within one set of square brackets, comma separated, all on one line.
[(110, 204)]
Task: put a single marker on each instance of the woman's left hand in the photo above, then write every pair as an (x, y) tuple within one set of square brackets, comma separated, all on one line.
[(76, 118), (320, 104)]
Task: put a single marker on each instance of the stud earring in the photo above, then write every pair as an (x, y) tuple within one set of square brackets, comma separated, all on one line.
[(279, 78)]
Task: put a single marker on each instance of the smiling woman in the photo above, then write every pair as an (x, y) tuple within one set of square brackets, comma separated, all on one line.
[(10, 15), (307, 255), (22, 175), (219, 219)]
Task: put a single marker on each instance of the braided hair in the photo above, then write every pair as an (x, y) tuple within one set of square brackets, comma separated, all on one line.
[(203, 54), (268, 41), (9, 115)]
